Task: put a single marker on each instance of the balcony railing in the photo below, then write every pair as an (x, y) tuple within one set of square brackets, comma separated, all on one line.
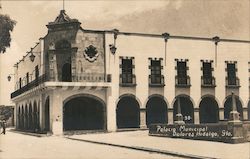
[(208, 81), (30, 85), (91, 77), (78, 78), (182, 81), (156, 80), (232, 82), (127, 80)]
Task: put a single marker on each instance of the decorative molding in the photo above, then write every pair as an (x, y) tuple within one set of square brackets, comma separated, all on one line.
[(90, 53)]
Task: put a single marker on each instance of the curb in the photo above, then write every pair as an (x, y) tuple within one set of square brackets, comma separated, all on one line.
[(29, 133), (165, 152)]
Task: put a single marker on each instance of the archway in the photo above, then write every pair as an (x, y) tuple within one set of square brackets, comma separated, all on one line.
[(187, 108), (47, 115), (84, 113), (228, 107), (209, 110), (128, 113), (156, 110), (66, 73)]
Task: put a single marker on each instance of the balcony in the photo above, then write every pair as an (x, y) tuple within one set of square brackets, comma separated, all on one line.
[(30, 85), (232, 82), (208, 81), (156, 81), (127, 80), (182, 81), (95, 79)]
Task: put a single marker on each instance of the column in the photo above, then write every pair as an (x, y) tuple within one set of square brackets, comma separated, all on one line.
[(221, 113), (170, 116), (16, 115), (143, 118), (111, 110), (56, 113), (41, 114), (196, 116)]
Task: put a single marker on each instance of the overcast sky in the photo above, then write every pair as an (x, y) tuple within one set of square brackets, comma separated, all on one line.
[(203, 18)]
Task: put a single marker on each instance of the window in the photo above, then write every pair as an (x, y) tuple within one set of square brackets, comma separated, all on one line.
[(155, 77), (20, 83), (231, 79), (127, 77), (36, 72), (182, 79), (207, 78), (27, 77)]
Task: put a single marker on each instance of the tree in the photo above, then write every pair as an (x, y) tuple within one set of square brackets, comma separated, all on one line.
[(6, 26), (6, 112)]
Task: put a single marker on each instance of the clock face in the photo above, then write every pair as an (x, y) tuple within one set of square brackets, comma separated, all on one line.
[(90, 53)]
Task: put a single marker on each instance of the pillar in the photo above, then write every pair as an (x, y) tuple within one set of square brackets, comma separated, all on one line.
[(16, 115), (170, 116), (196, 116), (143, 118), (111, 109), (245, 115), (41, 105), (56, 113), (221, 113)]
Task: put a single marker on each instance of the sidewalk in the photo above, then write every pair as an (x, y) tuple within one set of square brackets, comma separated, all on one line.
[(140, 140)]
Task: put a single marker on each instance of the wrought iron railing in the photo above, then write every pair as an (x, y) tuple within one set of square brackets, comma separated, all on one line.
[(127, 80), (91, 77), (78, 78), (30, 85), (232, 82), (156, 80), (208, 81), (182, 81)]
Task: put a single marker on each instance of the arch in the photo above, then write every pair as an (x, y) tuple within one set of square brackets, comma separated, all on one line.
[(208, 110), (66, 73), (84, 112), (30, 118), (47, 114), (129, 95), (228, 107), (156, 110), (62, 44), (187, 108), (128, 112)]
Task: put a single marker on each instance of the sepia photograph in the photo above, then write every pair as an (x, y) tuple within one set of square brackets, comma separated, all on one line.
[(124, 79)]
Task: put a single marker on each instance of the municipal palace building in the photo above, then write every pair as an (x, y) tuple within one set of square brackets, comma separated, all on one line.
[(76, 79)]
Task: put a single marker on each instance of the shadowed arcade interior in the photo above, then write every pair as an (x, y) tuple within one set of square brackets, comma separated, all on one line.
[(83, 113), (156, 111), (187, 109), (209, 110), (128, 113)]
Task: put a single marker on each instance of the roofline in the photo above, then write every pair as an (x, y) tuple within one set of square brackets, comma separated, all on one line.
[(170, 36)]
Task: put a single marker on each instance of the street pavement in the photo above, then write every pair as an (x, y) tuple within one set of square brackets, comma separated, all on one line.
[(179, 147), (14, 145), (115, 145)]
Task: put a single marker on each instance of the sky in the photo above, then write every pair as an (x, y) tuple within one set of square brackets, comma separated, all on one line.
[(203, 18)]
